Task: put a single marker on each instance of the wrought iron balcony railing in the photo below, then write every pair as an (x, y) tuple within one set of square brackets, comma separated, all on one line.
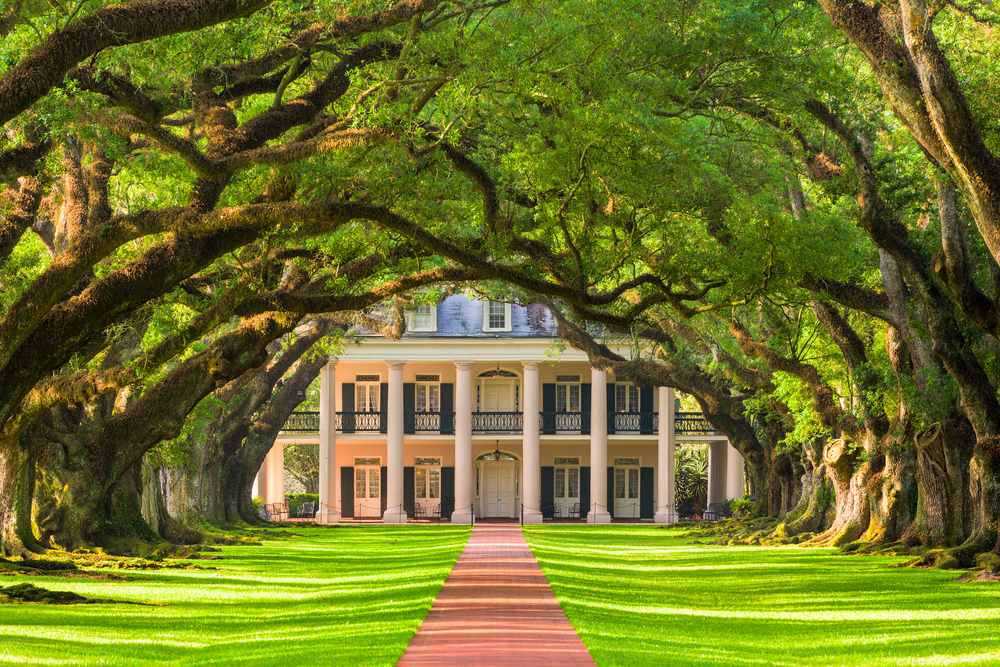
[(643, 423), (307, 422), (352, 422), (429, 422), (497, 422), (633, 422), (692, 423)]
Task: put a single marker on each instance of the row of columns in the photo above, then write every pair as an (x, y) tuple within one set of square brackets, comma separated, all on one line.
[(721, 476)]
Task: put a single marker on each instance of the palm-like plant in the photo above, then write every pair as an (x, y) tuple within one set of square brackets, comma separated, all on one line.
[(690, 480)]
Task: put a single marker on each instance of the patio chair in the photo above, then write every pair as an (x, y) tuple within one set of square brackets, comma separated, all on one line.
[(574, 510), (308, 510), (419, 511)]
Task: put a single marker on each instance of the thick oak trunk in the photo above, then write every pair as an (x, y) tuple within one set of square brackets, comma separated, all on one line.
[(944, 508), (853, 510)]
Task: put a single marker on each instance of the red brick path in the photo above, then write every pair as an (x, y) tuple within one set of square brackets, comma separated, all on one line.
[(496, 608)]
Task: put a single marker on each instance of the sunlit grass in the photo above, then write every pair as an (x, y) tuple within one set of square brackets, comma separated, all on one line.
[(352, 595), (640, 595)]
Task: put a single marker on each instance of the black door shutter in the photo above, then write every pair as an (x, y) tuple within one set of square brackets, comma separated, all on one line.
[(347, 490), (611, 491), (584, 491), (548, 491), (611, 407), (585, 401), (409, 406), (548, 408), (409, 492), (646, 485), (347, 399), (385, 487), (646, 410), (447, 408), (383, 407), (447, 491)]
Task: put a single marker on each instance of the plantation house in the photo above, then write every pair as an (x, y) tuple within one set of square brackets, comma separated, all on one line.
[(471, 414)]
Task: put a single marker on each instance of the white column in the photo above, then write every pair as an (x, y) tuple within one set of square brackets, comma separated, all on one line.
[(463, 443), (394, 512), (598, 448), (531, 491), (734, 473), (665, 446), (717, 471), (274, 475), (328, 505)]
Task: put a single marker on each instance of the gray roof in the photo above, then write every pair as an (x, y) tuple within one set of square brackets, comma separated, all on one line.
[(461, 317)]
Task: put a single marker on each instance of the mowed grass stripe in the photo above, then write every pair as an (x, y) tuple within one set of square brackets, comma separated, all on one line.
[(642, 595), (351, 595)]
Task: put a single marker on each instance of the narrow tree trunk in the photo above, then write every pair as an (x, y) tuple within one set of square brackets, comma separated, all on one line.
[(816, 502), (17, 482), (154, 510), (853, 512)]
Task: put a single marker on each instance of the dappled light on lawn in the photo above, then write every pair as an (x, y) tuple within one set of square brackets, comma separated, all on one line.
[(642, 595), (335, 596)]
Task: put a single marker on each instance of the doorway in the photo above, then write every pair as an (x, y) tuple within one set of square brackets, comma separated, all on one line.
[(498, 486)]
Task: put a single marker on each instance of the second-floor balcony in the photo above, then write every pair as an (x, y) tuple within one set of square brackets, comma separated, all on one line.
[(549, 423)]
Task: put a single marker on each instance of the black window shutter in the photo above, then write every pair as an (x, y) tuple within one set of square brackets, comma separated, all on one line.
[(646, 410), (611, 491), (409, 407), (385, 487), (646, 486), (383, 408), (447, 408), (548, 408), (611, 407), (585, 401), (447, 491), (584, 491), (409, 490), (347, 399), (347, 491), (548, 491)]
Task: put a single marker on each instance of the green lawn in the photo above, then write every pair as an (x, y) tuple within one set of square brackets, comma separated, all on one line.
[(343, 596), (640, 595)]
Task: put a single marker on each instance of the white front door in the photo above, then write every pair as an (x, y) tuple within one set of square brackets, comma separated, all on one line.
[(367, 492), (498, 496), (567, 490), (626, 492)]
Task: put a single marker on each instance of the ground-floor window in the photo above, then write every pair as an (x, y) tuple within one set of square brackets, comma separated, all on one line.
[(626, 491), (367, 486), (566, 479), (427, 479)]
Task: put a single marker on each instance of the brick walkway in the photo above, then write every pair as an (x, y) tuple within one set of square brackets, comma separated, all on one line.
[(496, 608)]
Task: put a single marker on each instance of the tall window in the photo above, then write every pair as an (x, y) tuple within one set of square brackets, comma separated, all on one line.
[(366, 393), (422, 318), (428, 393), (567, 393), (626, 398)]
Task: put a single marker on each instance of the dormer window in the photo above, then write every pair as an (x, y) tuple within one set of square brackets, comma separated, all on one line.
[(496, 316), (423, 318)]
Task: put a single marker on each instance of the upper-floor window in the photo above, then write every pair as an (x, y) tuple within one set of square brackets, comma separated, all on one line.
[(567, 393), (366, 393), (626, 398), (428, 393), (496, 316), (423, 318)]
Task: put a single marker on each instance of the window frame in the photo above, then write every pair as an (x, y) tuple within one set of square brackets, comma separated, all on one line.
[(410, 319), (508, 320)]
